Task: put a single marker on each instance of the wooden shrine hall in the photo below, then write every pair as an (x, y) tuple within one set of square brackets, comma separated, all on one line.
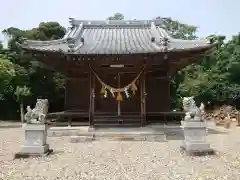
[(117, 71)]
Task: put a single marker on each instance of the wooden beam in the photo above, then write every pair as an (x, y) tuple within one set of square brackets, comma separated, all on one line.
[(106, 70)]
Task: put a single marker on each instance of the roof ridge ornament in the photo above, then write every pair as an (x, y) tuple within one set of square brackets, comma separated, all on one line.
[(71, 42), (155, 37), (165, 41), (72, 22)]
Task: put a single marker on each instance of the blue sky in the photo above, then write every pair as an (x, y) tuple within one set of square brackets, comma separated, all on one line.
[(211, 16)]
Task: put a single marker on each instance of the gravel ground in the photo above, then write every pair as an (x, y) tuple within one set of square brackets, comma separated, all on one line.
[(122, 160)]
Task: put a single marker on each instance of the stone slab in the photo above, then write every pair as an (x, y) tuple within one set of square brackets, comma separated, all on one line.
[(197, 152), (119, 137), (35, 149), (35, 138), (197, 134), (157, 138), (81, 128), (74, 131), (27, 155), (76, 139), (195, 146), (35, 127), (193, 124)]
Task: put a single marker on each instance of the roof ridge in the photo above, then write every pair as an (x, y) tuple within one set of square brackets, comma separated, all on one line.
[(75, 22)]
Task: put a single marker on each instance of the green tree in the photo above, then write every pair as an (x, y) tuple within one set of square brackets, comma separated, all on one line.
[(7, 73), (31, 74), (22, 92), (179, 30), (116, 16), (217, 77)]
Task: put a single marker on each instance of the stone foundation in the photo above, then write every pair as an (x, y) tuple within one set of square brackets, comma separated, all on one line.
[(195, 133), (35, 141)]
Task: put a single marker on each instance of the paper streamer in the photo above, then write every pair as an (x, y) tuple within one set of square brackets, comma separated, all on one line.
[(111, 91), (126, 92)]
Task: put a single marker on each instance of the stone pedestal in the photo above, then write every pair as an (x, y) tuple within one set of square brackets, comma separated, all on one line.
[(195, 133), (35, 141)]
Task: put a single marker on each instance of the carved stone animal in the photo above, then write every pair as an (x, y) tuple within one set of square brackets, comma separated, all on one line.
[(38, 113), (193, 113)]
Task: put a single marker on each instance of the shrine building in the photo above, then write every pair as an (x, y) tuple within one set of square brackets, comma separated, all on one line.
[(117, 71)]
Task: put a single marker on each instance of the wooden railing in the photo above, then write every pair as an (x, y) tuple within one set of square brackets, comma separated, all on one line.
[(107, 118)]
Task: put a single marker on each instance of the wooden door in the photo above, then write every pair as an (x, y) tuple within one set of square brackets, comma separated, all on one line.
[(106, 105), (158, 97), (132, 104), (110, 105), (77, 94)]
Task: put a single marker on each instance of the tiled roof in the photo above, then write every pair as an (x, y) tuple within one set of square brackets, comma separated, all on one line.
[(115, 37)]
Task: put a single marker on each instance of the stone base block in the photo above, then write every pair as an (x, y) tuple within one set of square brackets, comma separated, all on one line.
[(156, 138), (195, 146), (35, 149), (197, 149), (23, 154)]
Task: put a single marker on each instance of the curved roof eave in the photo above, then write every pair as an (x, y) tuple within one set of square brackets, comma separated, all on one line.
[(142, 37)]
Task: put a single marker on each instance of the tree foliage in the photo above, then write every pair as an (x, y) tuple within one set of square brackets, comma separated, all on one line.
[(7, 74), (30, 74), (116, 16)]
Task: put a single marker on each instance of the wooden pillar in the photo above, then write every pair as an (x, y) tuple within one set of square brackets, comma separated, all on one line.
[(69, 119), (119, 102), (141, 101), (169, 99), (93, 98), (90, 98), (65, 96), (167, 62), (143, 98)]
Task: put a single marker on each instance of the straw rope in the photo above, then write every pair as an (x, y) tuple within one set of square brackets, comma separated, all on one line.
[(117, 89)]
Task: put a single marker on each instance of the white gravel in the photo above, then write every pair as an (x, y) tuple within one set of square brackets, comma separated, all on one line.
[(121, 160)]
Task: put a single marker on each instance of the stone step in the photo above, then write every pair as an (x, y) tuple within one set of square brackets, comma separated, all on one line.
[(81, 134), (100, 134), (67, 131), (119, 137)]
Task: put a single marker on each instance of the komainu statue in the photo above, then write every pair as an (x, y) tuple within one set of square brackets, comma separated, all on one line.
[(38, 113), (193, 113)]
